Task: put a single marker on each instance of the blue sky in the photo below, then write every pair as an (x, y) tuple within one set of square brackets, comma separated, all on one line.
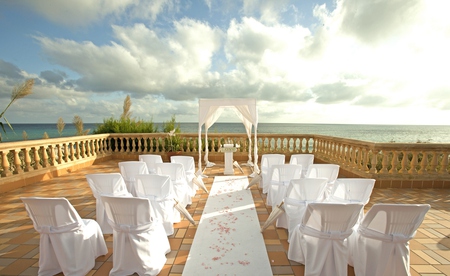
[(345, 61)]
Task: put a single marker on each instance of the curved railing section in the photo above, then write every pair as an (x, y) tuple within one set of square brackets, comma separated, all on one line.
[(21, 162)]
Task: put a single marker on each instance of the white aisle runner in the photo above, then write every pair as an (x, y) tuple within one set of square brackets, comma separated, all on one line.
[(228, 240)]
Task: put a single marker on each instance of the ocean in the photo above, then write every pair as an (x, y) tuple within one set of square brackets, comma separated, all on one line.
[(371, 133)]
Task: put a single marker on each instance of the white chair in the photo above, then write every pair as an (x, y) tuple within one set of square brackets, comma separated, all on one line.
[(352, 190), (268, 160), (329, 171), (318, 242), (303, 159), (68, 243), (299, 194), (140, 243), (181, 188), (111, 184), (280, 176), (129, 169), (189, 169), (380, 246), (151, 160), (158, 189)]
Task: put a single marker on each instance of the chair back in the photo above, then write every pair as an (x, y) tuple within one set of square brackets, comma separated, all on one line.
[(268, 160), (52, 215), (352, 190), (330, 220), (187, 161), (174, 170), (329, 171), (302, 191), (151, 160), (107, 184), (388, 220), (129, 170), (303, 159), (282, 174), (153, 186), (127, 211)]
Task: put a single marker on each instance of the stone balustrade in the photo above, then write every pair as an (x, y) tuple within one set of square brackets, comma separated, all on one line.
[(406, 165)]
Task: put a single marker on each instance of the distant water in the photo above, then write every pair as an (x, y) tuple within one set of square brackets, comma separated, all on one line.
[(372, 133)]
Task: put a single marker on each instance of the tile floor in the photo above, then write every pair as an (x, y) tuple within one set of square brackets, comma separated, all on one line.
[(19, 242)]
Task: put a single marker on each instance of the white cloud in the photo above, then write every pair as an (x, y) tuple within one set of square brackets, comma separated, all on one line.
[(363, 58), (77, 13)]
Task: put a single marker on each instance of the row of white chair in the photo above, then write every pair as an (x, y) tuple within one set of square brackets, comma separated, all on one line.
[(329, 238)]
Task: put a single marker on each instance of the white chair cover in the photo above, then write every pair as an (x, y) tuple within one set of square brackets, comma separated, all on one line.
[(158, 189), (352, 190), (267, 160), (189, 169), (329, 171), (151, 160), (181, 188), (303, 159), (318, 242), (140, 243), (111, 184), (380, 246), (280, 176), (129, 169), (299, 194), (68, 244)]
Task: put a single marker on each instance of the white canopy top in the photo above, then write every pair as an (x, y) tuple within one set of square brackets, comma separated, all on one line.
[(211, 109)]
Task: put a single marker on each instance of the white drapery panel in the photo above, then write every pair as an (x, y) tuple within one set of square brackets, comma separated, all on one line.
[(211, 109)]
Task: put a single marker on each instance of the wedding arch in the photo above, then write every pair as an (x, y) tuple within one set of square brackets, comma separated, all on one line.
[(211, 109)]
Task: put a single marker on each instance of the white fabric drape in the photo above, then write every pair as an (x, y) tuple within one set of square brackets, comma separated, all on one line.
[(211, 109)]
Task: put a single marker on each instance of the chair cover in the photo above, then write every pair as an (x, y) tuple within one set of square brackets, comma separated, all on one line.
[(318, 242), (330, 171), (68, 244), (299, 194), (268, 160), (140, 243), (181, 188), (189, 169), (281, 175), (158, 189), (151, 160), (129, 169), (302, 159), (352, 190), (106, 184), (380, 246)]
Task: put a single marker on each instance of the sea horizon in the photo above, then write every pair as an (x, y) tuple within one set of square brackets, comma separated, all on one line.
[(364, 132)]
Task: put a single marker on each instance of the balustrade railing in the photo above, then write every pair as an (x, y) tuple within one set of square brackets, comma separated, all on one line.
[(366, 159)]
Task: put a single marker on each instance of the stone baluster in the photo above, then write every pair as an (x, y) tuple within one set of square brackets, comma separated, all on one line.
[(83, 149), (444, 163), (413, 169), (65, 153), (424, 163), (404, 168), (58, 152), (36, 158), (5, 164), (45, 163), (26, 159), (394, 169), (52, 155), (373, 162), (384, 162), (434, 163)]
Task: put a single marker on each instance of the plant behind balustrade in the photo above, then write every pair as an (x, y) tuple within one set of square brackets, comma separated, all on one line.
[(19, 91)]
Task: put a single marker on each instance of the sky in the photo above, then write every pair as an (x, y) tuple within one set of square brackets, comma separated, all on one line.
[(304, 61)]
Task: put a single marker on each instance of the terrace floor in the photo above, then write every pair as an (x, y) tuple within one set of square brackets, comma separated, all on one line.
[(19, 242)]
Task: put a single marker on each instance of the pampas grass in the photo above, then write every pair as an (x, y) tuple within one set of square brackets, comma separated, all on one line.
[(19, 91), (60, 125)]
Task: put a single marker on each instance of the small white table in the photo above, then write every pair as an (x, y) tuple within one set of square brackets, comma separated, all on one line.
[(228, 150)]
